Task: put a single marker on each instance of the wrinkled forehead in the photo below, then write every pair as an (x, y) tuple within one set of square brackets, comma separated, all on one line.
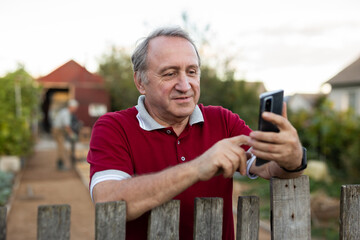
[(171, 49)]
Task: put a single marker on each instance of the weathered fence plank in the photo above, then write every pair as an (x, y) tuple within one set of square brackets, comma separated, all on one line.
[(53, 222), (290, 208), (290, 216), (110, 220), (248, 217), (3, 211), (350, 212), (164, 221), (208, 218)]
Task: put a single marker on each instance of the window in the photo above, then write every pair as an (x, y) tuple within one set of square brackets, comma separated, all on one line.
[(352, 100), (97, 109)]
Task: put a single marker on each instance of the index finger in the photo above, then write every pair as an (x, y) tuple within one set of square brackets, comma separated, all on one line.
[(240, 140), (280, 121)]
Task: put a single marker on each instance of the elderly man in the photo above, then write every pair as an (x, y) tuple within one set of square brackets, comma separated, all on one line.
[(170, 147)]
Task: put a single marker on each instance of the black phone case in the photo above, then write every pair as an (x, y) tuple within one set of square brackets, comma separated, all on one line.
[(277, 104)]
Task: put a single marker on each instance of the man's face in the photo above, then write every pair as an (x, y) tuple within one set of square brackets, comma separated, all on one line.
[(173, 87), (72, 109)]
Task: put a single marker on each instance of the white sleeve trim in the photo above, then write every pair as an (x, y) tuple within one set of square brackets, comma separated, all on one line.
[(105, 176), (248, 166)]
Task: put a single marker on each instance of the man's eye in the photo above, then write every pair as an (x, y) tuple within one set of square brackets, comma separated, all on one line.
[(169, 74), (192, 72)]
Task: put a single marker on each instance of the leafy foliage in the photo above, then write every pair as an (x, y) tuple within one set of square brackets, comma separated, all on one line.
[(115, 67), (331, 136), (6, 180), (19, 99), (239, 96)]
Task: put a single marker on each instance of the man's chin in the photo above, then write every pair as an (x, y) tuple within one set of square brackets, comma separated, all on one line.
[(184, 109), (185, 114)]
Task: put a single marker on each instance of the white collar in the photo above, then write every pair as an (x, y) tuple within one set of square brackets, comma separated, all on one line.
[(147, 123)]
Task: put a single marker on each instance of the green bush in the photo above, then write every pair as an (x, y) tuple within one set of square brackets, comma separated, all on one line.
[(6, 182), (19, 100), (331, 136)]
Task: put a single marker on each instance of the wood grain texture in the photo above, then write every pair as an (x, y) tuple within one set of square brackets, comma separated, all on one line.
[(3, 212), (208, 218), (164, 221), (110, 220), (290, 208), (350, 212), (53, 222), (248, 218)]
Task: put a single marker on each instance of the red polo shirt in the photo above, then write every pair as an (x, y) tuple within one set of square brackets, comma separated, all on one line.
[(130, 142)]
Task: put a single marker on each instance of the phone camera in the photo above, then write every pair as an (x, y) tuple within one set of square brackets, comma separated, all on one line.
[(268, 105)]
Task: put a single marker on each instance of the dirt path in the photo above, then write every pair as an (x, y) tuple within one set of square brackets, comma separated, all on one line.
[(41, 184)]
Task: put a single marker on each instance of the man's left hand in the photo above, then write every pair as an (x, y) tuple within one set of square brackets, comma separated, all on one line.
[(283, 147)]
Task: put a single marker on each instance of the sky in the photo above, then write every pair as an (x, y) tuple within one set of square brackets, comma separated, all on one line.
[(295, 45)]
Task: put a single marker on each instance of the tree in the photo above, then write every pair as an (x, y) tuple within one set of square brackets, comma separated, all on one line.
[(19, 102), (239, 96), (115, 67), (242, 98), (210, 84)]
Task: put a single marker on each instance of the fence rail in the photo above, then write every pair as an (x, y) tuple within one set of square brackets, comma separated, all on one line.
[(290, 216)]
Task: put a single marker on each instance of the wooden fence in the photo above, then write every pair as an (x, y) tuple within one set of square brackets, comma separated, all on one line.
[(290, 216)]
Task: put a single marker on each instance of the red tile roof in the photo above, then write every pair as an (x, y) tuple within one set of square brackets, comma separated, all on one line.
[(71, 72)]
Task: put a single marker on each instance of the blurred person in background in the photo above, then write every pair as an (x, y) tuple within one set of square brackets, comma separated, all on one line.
[(64, 127)]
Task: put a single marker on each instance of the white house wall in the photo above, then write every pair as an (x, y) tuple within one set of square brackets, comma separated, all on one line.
[(341, 98), (297, 102)]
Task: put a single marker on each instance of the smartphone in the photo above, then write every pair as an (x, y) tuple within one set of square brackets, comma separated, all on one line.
[(269, 102)]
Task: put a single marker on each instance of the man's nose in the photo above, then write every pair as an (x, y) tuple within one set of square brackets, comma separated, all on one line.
[(183, 84)]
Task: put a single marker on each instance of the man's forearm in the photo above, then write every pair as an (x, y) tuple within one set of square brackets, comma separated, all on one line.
[(142, 193), (145, 192), (272, 169)]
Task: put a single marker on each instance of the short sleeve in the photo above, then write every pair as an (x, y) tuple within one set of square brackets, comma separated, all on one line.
[(109, 147)]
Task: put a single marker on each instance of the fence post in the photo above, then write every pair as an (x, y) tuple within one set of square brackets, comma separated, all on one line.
[(208, 218), (248, 218), (290, 208), (164, 221), (110, 220), (3, 211), (53, 222), (350, 212)]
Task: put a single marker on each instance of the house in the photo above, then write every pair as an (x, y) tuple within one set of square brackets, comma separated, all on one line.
[(303, 101), (73, 81), (345, 88)]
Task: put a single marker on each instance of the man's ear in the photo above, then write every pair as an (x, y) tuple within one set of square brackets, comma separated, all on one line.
[(139, 83)]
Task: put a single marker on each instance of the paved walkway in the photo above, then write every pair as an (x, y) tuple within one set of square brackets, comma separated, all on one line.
[(39, 183)]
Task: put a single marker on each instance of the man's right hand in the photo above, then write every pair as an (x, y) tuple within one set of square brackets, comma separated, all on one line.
[(147, 191), (224, 157)]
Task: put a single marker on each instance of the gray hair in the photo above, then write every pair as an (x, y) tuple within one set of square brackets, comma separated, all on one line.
[(139, 57)]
